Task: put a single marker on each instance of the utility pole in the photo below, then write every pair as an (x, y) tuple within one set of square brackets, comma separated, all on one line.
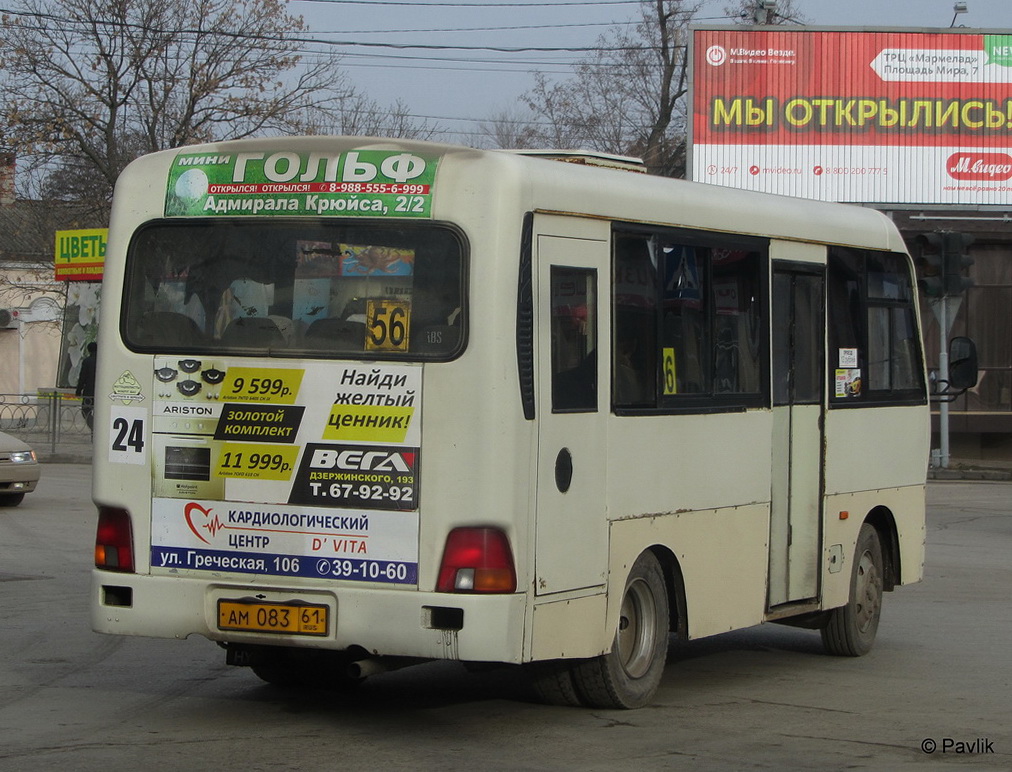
[(765, 11)]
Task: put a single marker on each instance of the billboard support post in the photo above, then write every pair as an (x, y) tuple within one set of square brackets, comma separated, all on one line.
[(943, 375), (945, 310)]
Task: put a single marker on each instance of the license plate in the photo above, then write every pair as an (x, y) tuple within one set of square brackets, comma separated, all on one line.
[(287, 618)]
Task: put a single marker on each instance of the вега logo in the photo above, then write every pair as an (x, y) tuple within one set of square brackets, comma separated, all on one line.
[(988, 167)]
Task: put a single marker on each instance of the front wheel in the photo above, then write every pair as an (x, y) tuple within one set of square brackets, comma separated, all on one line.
[(850, 630), (11, 499), (628, 676)]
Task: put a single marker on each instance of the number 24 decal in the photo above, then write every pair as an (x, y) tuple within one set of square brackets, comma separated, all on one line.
[(128, 435)]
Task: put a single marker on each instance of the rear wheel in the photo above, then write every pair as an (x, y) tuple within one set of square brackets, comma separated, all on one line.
[(850, 630), (628, 676), (307, 668), (279, 674), (553, 682)]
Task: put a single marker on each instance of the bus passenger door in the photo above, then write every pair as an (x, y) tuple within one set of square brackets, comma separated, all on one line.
[(571, 528), (796, 516)]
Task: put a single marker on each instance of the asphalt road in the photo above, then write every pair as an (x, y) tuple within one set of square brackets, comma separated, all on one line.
[(938, 680)]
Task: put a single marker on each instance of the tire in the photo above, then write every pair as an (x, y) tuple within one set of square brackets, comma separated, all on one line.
[(553, 682), (850, 630), (307, 669), (284, 675), (11, 499), (628, 676)]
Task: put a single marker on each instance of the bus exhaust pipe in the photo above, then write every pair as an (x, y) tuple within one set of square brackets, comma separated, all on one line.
[(364, 668), (370, 666)]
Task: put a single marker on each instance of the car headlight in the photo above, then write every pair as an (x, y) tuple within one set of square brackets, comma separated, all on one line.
[(23, 457)]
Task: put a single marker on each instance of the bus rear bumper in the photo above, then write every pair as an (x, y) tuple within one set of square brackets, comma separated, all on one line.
[(384, 622)]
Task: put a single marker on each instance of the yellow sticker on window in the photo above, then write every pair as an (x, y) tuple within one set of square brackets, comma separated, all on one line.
[(670, 379), (388, 325)]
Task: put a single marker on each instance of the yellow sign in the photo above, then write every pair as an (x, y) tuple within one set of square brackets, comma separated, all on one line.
[(262, 384), (80, 254), (257, 462), (388, 325), (670, 374), (368, 423)]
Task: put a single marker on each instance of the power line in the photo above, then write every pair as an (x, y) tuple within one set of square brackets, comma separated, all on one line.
[(323, 41), (444, 47), (474, 5), (466, 65), (471, 29)]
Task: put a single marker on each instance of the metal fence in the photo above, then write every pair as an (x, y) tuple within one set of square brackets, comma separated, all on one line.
[(50, 421)]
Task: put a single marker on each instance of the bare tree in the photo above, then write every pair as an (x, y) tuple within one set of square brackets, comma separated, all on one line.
[(359, 115), (759, 12), (95, 83), (510, 128), (628, 96)]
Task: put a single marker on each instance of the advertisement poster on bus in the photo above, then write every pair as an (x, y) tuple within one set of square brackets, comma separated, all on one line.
[(357, 183), (875, 116), (263, 468)]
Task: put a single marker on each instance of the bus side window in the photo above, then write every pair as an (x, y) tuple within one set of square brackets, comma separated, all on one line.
[(634, 365), (873, 329), (574, 340)]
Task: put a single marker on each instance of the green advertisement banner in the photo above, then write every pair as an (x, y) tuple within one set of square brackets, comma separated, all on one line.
[(357, 183)]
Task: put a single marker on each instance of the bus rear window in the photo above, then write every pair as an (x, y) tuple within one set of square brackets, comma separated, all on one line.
[(311, 289)]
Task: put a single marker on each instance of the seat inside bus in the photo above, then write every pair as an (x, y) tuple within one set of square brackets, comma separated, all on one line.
[(253, 331)]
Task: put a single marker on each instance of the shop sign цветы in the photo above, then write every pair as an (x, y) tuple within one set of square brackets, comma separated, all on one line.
[(80, 254)]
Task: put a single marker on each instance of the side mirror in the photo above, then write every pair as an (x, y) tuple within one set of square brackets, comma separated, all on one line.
[(962, 364)]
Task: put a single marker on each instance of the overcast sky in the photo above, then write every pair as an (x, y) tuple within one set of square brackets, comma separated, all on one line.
[(457, 81)]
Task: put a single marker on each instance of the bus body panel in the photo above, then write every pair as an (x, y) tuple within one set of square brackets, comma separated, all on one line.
[(845, 513), (870, 448), (723, 571), (571, 627), (382, 622), (639, 198), (679, 463)]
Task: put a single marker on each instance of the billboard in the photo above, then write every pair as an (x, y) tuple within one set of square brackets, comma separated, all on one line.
[(875, 116)]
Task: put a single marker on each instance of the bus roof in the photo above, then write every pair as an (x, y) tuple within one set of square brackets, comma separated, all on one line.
[(546, 185)]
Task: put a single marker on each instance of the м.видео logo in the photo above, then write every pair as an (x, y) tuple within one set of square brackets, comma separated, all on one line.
[(989, 167)]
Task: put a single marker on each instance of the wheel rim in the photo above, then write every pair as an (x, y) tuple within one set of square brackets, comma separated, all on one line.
[(637, 629), (868, 595)]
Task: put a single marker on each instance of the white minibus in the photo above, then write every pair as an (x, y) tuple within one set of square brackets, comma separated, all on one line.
[(363, 403)]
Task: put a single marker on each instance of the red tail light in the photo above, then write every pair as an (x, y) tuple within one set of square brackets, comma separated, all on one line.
[(114, 547), (477, 560)]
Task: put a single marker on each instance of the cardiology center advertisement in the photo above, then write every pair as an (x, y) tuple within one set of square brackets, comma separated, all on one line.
[(290, 471), (863, 116)]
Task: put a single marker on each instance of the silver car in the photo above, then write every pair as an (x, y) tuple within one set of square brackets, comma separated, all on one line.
[(19, 470)]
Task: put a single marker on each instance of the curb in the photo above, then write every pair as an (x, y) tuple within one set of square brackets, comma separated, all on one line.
[(994, 475), (63, 458)]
